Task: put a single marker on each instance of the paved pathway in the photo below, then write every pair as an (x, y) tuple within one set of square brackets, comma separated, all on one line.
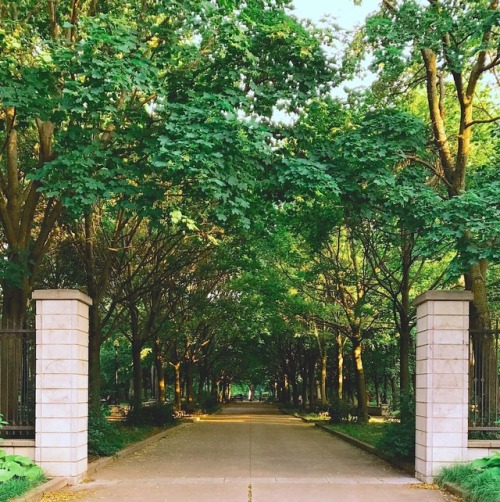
[(251, 453)]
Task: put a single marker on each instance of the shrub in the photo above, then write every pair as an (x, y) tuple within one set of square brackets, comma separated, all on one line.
[(480, 478), (209, 404), (158, 414), (339, 411), (18, 474), (321, 409), (398, 439), (104, 438), (2, 423), (18, 466)]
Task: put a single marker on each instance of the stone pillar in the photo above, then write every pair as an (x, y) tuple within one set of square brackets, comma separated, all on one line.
[(442, 366), (62, 325)]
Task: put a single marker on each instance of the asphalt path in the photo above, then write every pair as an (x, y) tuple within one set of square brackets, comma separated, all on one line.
[(251, 453)]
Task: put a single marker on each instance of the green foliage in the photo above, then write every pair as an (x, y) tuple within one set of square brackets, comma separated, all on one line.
[(158, 414), (398, 439), (369, 433), (104, 438), (2, 423), (20, 473), (477, 213), (488, 462), (480, 478), (17, 466), (209, 404), (398, 35), (13, 267), (485, 435), (340, 411), (16, 486)]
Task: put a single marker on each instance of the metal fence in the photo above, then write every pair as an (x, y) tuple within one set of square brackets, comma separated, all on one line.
[(484, 380), (17, 383)]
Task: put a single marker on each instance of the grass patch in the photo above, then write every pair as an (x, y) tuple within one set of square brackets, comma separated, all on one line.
[(107, 438), (18, 486), (119, 436), (307, 415), (131, 434), (316, 417), (370, 433), (480, 485)]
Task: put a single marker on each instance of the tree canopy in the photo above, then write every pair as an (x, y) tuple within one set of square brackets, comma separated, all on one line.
[(144, 161)]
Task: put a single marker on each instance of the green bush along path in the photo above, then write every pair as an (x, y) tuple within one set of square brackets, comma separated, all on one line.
[(251, 452)]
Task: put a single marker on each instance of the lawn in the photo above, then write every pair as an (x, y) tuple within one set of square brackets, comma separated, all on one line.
[(132, 434), (479, 479), (107, 439), (17, 486), (370, 433)]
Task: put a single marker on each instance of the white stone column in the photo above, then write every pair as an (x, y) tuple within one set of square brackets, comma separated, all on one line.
[(442, 365), (62, 325)]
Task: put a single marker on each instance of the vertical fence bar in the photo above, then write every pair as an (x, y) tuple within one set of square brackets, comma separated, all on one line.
[(17, 397), (484, 410)]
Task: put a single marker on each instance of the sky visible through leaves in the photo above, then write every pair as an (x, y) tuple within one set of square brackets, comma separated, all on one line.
[(345, 13)]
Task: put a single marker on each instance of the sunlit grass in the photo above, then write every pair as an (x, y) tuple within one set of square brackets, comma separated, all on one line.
[(18, 486), (370, 433), (480, 485), (316, 417)]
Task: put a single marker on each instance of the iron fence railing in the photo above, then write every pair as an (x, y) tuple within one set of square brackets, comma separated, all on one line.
[(484, 380), (17, 383)]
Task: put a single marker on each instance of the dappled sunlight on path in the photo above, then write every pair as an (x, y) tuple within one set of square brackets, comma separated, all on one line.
[(250, 452), (251, 413)]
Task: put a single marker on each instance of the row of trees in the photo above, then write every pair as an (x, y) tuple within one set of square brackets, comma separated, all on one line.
[(142, 163)]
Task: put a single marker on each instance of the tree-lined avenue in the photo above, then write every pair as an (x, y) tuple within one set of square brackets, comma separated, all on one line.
[(251, 452)]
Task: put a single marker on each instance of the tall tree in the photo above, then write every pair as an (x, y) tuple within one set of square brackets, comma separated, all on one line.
[(450, 46), (136, 103)]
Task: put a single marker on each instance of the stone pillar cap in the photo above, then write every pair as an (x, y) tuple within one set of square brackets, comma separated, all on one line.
[(61, 294), (444, 296)]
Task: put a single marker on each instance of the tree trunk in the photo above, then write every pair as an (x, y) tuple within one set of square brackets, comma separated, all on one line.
[(95, 341), (455, 169), (188, 375), (201, 384), (26, 226), (214, 389), (323, 379), (177, 389), (95, 325), (376, 384), (137, 379), (340, 367), (394, 391), (311, 382), (304, 390), (160, 375), (404, 314), (295, 390), (137, 346), (360, 380), (475, 281)]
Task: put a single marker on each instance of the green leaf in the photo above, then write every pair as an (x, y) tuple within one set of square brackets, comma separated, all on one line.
[(5, 475)]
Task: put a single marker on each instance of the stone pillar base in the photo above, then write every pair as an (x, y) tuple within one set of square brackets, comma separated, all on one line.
[(442, 366), (62, 323)]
